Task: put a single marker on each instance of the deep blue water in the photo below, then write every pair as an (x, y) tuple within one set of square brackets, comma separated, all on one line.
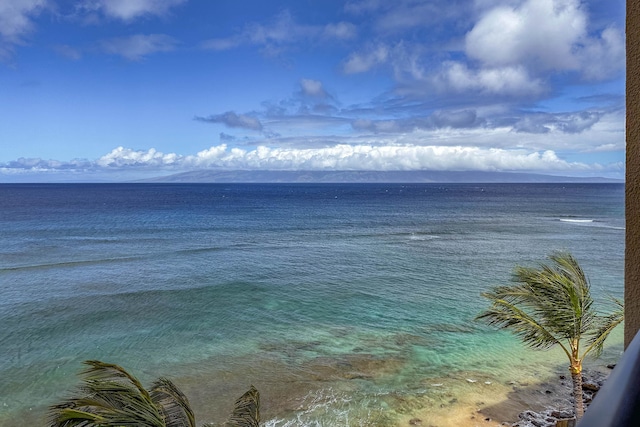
[(195, 280)]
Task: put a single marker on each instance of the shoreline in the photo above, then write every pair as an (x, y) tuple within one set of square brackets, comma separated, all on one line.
[(333, 392), (377, 389), (462, 402), (512, 404)]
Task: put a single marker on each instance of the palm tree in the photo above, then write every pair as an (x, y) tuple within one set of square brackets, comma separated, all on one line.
[(550, 306), (111, 397)]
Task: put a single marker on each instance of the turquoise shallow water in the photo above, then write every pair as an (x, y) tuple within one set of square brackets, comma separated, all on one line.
[(339, 302)]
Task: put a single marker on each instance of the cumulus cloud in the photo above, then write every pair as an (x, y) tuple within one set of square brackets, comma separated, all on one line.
[(605, 56), (540, 32), (120, 157), (545, 35), (233, 120), (512, 49), (127, 10), (444, 140), (508, 80), (337, 157), (417, 76), (16, 22)]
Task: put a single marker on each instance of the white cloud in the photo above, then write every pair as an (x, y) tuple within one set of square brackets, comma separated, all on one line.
[(350, 157), (313, 88), (120, 157), (442, 141), (563, 122), (16, 22), (340, 30), (545, 35), (508, 80), (136, 47), (605, 56), (541, 32), (282, 33), (128, 10), (361, 62)]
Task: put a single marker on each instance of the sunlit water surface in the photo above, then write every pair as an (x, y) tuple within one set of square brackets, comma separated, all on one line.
[(344, 304)]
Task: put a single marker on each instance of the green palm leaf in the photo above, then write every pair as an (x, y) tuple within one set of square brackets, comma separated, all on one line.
[(606, 325), (111, 397), (246, 412), (173, 404), (552, 305)]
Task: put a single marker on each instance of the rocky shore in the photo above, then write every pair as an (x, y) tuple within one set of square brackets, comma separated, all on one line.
[(561, 405)]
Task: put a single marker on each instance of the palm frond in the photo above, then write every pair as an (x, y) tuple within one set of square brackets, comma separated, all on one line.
[(246, 412), (552, 305), (507, 315), (561, 295), (606, 325), (108, 396), (173, 403), (547, 305), (69, 416)]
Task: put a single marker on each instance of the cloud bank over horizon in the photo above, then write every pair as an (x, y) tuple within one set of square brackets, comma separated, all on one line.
[(340, 157), (149, 86)]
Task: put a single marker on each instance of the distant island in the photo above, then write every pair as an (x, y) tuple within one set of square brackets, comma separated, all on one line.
[(273, 176)]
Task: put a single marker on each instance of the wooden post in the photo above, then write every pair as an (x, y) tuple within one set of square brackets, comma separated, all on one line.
[(567, 422), (632, 189)]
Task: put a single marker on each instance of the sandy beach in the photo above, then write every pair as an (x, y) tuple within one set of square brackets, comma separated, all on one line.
[(330, 387)]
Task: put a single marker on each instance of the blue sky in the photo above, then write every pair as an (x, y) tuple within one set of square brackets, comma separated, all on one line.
[(127, 89)]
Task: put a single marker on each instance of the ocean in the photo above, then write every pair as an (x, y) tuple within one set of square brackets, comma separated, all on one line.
[(344, 304)]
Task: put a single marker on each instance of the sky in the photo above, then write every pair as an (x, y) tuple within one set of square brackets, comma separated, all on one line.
[(96, 90)]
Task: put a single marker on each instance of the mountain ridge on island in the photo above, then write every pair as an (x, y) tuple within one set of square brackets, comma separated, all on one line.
[(308, 176)]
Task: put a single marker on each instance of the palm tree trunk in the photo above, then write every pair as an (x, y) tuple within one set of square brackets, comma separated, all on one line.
[(578, 405)]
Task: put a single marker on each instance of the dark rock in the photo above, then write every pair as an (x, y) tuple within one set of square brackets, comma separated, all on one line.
[(548, 391), (487, 419), (561, 414), (526, 414), (562, 377), (611, 366), (590, 386)]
